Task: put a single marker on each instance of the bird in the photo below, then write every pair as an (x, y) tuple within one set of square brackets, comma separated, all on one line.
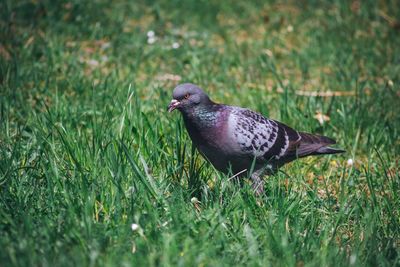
[(240, 141)]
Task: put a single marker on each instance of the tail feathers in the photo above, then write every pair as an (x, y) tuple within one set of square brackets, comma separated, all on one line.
[(311, 144), (328, 150), (314, 138)]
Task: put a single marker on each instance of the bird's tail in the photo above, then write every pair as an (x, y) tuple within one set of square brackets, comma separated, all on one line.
[(312, 144), (328, 150)]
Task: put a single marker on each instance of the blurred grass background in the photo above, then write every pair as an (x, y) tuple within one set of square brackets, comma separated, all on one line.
[(87, 149)]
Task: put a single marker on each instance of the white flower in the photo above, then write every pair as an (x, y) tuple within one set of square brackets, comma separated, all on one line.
[(134, 227), (350, 162), (151, 40), (151, 34), (175, 45)]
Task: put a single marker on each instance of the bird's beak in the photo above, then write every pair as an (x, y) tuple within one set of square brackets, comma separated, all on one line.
[(173, 105)]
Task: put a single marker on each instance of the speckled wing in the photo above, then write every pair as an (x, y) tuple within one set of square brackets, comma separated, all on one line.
[(259, 137)]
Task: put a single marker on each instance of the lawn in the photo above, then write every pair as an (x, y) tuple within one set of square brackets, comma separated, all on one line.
[(95, 172)]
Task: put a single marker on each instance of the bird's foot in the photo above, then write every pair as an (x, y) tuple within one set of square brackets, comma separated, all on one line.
[(257, 184)]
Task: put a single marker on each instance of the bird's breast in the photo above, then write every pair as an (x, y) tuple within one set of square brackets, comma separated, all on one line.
[(208, 134)]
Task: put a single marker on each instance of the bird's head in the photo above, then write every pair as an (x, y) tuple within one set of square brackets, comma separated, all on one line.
[(187, 96)]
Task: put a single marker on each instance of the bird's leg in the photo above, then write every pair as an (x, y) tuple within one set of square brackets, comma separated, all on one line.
[(257, 178), (257, 182)]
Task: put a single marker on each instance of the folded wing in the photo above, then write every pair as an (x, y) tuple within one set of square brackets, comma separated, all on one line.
[(272, 141)]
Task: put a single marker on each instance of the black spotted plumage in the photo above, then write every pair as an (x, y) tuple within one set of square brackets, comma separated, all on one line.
[(238, 140)]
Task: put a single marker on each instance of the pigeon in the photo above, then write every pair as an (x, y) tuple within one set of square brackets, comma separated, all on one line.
[(240, 141)]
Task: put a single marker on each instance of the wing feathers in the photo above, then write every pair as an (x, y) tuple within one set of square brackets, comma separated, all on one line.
[(312, 144), (271, 140)]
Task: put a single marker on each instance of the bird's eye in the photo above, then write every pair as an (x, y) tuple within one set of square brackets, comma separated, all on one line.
[(187, 96)]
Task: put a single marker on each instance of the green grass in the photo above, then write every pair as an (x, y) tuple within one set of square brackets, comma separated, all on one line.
[(87, 147)]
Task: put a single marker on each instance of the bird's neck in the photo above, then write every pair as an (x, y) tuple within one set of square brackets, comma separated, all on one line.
[(202, 116), (204, 124)]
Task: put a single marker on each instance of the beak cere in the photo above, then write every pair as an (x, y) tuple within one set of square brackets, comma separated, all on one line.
[(173, 105)]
